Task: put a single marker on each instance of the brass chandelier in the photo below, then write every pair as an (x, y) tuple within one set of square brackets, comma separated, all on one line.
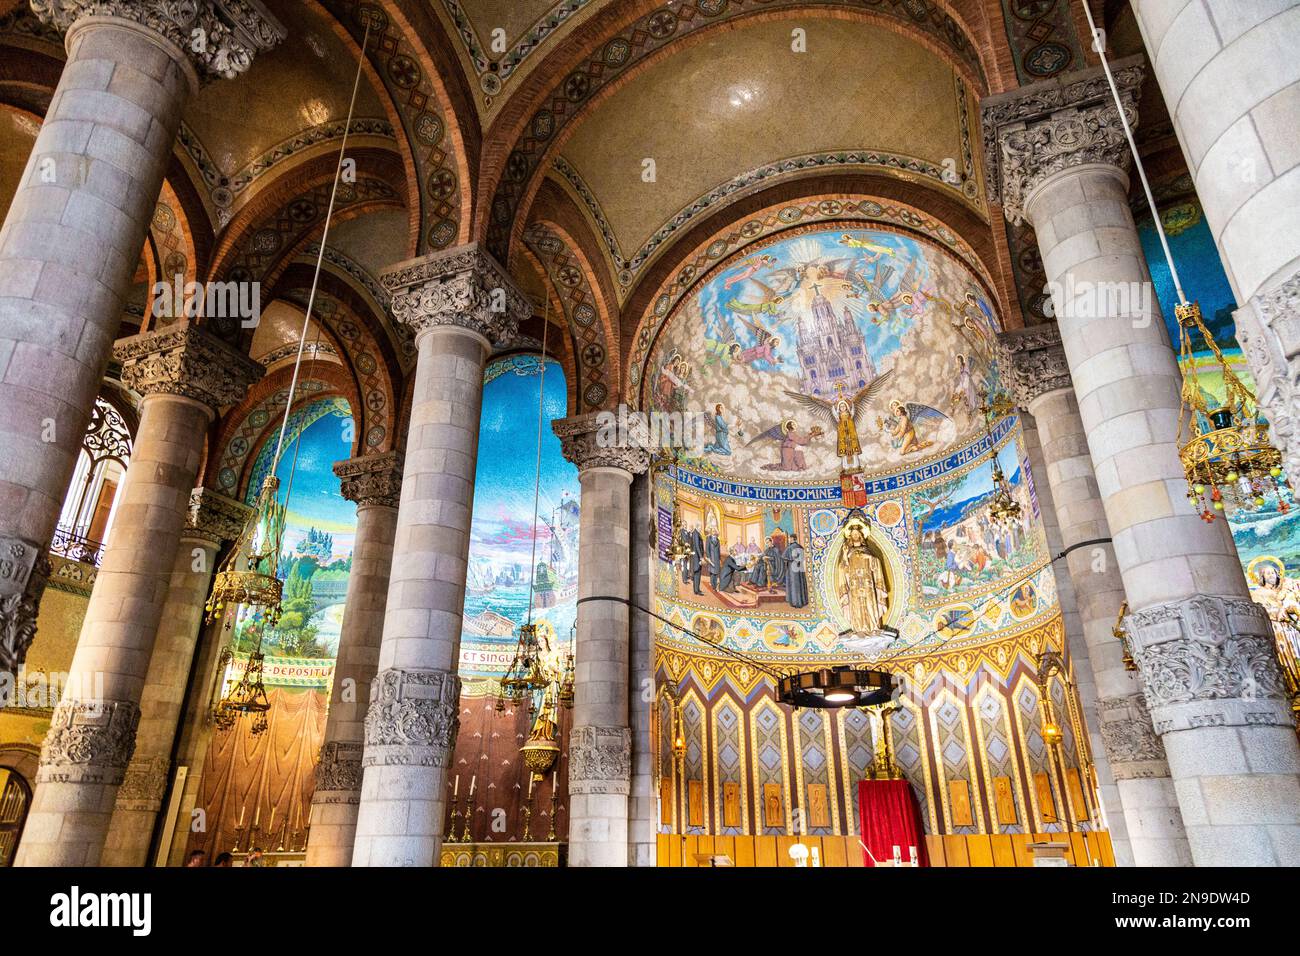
[(1003, 509)]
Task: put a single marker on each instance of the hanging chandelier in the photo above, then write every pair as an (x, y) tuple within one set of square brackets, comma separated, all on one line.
[(1225, 450), (1003, 509), (678, 551)]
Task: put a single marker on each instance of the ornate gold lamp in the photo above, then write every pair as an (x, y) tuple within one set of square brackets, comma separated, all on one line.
[(1003, 509), (1225, 450)]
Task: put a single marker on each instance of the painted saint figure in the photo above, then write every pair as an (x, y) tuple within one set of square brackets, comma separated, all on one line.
[(862, 586), (796, 577), (721, 444), (769, 567)]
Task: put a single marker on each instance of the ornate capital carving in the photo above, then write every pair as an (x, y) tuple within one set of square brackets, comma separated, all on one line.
[(1132, 745), (1208, 661), (144, 784), (89, 741), (603, 440), (1033, 362), (186, 361), (600, 760), (221, 37), (371, 479), (24, 571), (338, 774), (1037, 130), (214, 517), (462, 287), (413, 718)]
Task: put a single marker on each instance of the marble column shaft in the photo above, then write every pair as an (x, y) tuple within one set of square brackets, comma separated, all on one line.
[(643, 803), (1139, 782), (72, 237), (458, 302), (213, 518), (1204, 649), (184, 375), (600, 740), (1231, 81), (374, 482)]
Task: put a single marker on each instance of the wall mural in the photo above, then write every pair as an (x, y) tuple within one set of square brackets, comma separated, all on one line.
[(823, 345)]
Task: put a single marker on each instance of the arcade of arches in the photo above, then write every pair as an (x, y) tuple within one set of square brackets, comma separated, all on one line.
[(837, 258)]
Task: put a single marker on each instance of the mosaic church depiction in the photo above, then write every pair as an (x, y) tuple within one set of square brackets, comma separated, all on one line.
[(981, 548)]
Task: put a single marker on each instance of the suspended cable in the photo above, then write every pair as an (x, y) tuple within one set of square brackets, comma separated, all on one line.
[(537, 480)]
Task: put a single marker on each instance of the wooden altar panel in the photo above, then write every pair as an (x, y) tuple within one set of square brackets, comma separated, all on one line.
[(819, 812), (1075, 784), (1046, 804), (666, 802), (954, 850), (1004, 799), (979, 850), (934, 843), (695, 802), (731, 805), (773, 805), (1004, 853), (959, 799), (745, 851)]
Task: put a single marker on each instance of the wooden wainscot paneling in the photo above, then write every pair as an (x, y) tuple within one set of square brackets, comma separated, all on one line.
[(1046, 804), (959, 800), (819, 811), (1075, 784), (1004, 799), (695, 802), (731, 805), (773, 805), (666, 802)]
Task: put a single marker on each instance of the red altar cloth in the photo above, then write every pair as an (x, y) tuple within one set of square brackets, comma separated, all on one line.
[(890, 817)]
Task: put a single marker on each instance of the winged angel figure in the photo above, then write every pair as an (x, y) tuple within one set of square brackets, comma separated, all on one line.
[(844, 413)]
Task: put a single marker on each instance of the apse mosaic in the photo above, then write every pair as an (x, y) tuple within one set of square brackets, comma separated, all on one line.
[(779, 337), (504, 556)]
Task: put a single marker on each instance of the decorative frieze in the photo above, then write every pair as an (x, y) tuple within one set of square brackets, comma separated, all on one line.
[(221, 37), (214, 517), (1040, 129), (1208, 661), (186, 361), (1133, 747), (463, 287), (413, 718), (89, 741), (600, 760), (1033, 363), (338, 773), (371, 479), (144, 784), (594, 440)]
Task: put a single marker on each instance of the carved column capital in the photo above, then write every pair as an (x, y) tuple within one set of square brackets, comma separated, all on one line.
[(1133, 747), (1033, 362), (24, 571), (186, 361), (603, 440), (219, 37), (1208, 661), (338, 773), (89, 741), (1040, 129), (463, 287), (371, 479), (600, 760), (215, 518), (413, 718), (144, 784)]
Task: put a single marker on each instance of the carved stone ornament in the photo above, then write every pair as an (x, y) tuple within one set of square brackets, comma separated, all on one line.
[(1268, 329), (24, 571), (413, 718), (1037, 130), (214, 517), (89, 741), (221, 37), (600, 760), (371, 479), (1132, 745), (1033, 362), (463, 287), (1208, 661), (338, 774), (186, 361), (604, 440), (144, 784)]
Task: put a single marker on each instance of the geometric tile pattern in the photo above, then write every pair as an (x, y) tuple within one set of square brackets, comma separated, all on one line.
[(728, 761), (858, 748), (769, 760), (814, 765)]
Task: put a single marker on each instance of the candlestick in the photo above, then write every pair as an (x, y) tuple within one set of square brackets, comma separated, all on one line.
[(451, 829), (528, 815), (469, 815), (550, 833)]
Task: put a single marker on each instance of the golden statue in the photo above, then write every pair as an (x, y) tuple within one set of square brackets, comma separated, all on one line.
[(862, 588)]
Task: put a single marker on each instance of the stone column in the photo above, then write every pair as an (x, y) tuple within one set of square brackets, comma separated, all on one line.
[(600, 741), (1137, 791), (458, 302), (72, 238), (184, 375), (374, 482), (643, 805), (1204, 649), (1231, 81), (213, 518)]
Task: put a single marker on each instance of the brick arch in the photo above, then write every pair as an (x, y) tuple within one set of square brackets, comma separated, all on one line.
[(677, 277), (613, 46)]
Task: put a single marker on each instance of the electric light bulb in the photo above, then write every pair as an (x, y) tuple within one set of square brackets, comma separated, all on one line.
[(1218, 506), (1275, 472), (1233, 476), (1199, 488)]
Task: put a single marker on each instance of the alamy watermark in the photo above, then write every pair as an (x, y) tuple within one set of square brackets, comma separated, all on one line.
[(1085, 299), (623, 428), (179, 299)]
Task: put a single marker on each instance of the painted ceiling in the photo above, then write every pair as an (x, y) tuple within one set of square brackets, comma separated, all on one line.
[(742, 100), (778, 333)]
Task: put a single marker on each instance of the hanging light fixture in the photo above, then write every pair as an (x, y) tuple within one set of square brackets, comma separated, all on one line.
[(1225, 452), (1003, 509), (247, 583), (678, 551)]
